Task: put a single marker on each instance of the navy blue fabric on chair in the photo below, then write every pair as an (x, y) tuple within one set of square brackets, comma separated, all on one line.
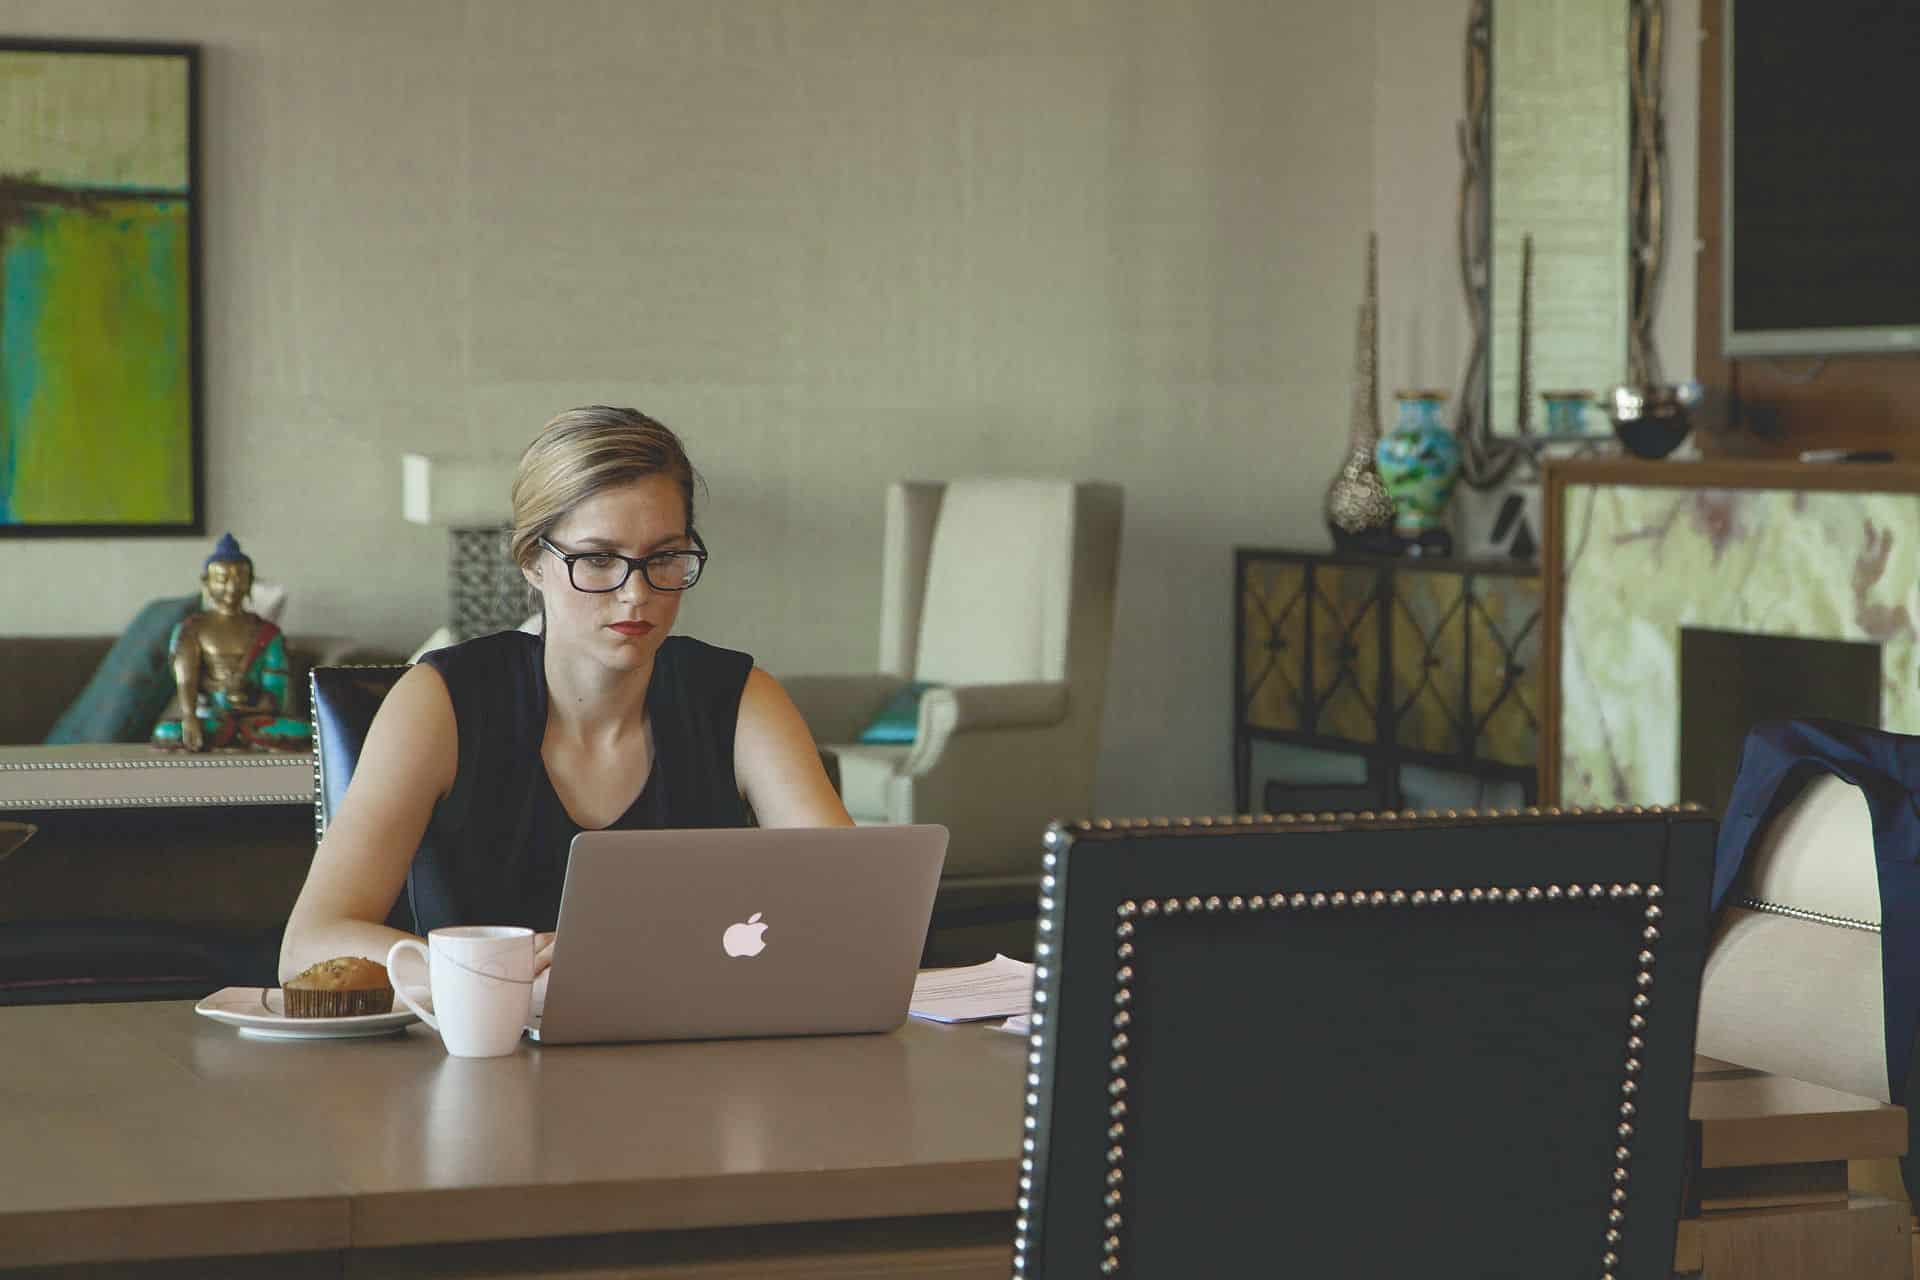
[(1777, 761), (344, 702), (1370, 1048)]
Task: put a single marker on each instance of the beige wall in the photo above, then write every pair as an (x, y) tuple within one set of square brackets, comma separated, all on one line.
[(833, 241)]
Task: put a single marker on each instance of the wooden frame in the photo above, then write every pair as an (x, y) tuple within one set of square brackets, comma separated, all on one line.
[(1841, 401), (26, 197)]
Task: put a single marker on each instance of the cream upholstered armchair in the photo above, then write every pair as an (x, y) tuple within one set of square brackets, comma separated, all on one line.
[(998, 593)]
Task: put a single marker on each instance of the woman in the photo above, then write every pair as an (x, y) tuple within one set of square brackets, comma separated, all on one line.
[(488, 757)]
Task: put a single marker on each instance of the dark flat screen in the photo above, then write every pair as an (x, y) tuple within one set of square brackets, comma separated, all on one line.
[(1825, 188)]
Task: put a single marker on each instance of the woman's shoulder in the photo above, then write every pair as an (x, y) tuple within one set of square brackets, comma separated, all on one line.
[(483, 655), (699, 664), (490, 676), (686, 649)]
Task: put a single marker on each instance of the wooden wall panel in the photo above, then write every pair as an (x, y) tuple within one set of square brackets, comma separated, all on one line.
[(1852, 401)]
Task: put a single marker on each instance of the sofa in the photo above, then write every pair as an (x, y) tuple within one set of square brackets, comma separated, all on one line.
[(46, 673)]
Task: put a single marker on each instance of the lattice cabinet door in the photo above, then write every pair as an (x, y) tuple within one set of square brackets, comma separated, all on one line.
[(1504, 625), (1345, 660), (1428, 630), (1273, 644), (1386, 665)]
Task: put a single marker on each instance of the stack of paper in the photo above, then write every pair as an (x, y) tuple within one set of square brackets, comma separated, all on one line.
[(1000, 988)]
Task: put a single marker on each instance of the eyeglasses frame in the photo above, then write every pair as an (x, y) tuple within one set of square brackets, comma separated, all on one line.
[(698, 550)]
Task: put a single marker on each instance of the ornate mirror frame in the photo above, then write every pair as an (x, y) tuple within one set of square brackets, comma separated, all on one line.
[(1488, 459)]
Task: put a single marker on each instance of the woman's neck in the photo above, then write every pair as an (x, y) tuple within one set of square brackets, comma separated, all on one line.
[(585, 700)]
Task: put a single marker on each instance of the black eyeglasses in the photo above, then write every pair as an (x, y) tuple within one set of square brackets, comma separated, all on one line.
[(603, 571)]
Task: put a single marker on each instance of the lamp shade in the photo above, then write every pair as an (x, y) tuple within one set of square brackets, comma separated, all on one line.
[(460, 493)]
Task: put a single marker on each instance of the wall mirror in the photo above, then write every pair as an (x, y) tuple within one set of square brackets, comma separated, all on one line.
[(1562, 146)]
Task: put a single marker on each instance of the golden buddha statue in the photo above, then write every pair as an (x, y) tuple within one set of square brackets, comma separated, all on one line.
[(229, 668)]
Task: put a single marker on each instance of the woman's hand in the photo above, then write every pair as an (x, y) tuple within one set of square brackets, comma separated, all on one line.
[(543, 952)]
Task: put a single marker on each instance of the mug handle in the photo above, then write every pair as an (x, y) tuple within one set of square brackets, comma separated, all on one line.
[(400, 991)]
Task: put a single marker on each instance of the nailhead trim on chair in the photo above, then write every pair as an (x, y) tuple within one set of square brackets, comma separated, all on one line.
[(313, 718), (158, 802), (313, 726), (248, 761), (1800, 913), (1129, 915), (1364, 818)]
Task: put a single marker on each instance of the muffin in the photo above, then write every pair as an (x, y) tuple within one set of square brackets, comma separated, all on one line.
[(345, 987)]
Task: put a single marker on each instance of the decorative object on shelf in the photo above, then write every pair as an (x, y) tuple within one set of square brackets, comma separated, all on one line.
[(1567, 412), (229, 668), (99, 217), (1419, 461), (1359, 512), (1652, 421), (1523, 370), (1498, 523)]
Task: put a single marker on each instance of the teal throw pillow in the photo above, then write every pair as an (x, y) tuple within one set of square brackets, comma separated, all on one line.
[(899, 721), (130, 687)]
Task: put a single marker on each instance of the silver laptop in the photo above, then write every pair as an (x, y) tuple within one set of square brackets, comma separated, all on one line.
[(692, 935)]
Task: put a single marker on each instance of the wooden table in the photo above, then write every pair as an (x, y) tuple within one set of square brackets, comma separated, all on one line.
[(1771, 1181), (140, 1132)]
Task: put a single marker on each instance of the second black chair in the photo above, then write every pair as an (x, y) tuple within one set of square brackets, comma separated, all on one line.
[(345, 700), (1367, 1048)]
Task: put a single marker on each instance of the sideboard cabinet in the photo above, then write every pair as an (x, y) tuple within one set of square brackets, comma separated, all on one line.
[(1372, 682)]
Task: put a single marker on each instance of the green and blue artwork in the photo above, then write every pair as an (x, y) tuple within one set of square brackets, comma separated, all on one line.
[(98, 420)]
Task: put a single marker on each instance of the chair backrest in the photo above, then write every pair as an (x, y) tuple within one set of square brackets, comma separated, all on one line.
[(1795, 978), (999, 580), (345, 700), (1372, 1048)]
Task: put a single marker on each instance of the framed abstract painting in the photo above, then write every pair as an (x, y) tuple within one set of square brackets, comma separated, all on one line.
[(100, 351)]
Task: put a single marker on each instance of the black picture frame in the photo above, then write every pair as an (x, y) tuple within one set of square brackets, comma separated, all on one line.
[(194, 522)]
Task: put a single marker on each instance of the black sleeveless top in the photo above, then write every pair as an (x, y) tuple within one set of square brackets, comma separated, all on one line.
[(495, 851)]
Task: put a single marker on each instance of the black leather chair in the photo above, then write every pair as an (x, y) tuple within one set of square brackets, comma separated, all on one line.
[(344, 702), (1364, 1047)]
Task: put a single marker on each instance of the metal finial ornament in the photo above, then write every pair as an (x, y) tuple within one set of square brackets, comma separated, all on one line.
[(1359, 513), (1523, 382)]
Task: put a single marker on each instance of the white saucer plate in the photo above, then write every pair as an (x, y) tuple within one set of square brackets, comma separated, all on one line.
[(259, 1014)]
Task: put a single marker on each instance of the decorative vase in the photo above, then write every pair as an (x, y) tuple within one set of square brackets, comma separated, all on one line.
[(1567, 412), (1359, 513), (1419, 461)]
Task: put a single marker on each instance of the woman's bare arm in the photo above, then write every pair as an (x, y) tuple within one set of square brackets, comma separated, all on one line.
[(776, 762), (406, 765)]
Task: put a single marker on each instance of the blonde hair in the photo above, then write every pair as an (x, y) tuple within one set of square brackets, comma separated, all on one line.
[(581, 453)]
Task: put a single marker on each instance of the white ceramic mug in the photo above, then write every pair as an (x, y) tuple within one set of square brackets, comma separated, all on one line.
[(481, 977)]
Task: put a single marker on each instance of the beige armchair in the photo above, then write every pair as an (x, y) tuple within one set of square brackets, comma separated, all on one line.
[(999, 593)]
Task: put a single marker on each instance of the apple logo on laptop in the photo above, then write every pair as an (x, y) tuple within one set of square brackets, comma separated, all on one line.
[(744, 939)]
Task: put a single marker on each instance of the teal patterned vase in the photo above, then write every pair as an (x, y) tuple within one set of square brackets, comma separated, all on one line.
[(1419, 461)]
